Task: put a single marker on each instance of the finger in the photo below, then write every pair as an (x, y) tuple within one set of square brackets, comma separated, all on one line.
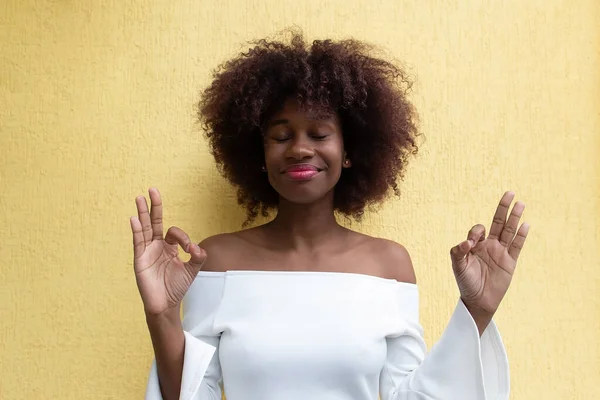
[(500, 215), (144, 217), (476, 234), (459, 252), (176, 236), (198, 257), (156, 214), (139, 244), (519, 241), (510, 228)]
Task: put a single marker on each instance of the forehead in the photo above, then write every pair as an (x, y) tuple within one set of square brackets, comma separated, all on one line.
[(292, 110)]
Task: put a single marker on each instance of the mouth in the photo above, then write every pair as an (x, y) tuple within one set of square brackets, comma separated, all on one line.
[(301, 172)]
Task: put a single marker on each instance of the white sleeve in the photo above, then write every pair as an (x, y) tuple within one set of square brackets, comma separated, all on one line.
[(201, 377), (460, 366)]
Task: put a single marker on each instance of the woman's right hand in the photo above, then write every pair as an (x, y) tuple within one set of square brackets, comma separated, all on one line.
[(162, 278)]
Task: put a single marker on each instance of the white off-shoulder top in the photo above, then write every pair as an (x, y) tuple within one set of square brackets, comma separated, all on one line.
[(281, 335)]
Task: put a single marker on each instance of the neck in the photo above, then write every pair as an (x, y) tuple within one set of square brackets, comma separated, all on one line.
[(305, 226)]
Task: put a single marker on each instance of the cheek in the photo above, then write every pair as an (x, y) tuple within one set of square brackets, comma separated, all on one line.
[(270, 154), (333, 153), (272, 162)]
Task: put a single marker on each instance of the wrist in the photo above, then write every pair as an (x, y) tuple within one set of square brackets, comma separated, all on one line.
[(169, 317), (481, 317), (166, 331)]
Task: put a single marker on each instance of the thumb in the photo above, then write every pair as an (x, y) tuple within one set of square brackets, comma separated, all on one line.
[(458, 253), (198, 257)]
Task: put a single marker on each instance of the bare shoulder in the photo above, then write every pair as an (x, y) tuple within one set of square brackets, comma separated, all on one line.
[(392, 259), (220, 256)]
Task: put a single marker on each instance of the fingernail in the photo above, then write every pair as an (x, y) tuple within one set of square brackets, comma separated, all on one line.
[(471, 242)]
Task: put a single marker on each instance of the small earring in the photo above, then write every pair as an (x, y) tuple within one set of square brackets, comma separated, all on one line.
[(263, 168), (346, 162)]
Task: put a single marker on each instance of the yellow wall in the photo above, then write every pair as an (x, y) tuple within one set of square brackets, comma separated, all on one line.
[(97, 104)]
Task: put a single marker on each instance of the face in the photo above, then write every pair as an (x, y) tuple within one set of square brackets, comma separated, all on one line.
[(304, 154)]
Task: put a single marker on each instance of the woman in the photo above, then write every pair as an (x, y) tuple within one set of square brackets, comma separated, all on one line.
[(300, 307)]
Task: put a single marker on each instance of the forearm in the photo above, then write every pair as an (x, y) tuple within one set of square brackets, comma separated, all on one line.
[(168, 342)]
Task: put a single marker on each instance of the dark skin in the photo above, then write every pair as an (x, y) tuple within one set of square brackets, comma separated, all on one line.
[(304, 236)]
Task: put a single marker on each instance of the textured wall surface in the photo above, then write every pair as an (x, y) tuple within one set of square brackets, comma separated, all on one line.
[(97, 104)]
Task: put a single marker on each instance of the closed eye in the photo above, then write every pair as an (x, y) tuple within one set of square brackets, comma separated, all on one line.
[(280, 136), (319, 137)]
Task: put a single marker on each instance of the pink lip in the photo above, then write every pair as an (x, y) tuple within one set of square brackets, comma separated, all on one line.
[(301, 172)]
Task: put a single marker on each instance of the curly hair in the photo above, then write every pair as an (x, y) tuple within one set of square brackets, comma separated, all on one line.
[(369, 94)]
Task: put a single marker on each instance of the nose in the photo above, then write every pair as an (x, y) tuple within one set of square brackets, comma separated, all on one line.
[(300, 149)]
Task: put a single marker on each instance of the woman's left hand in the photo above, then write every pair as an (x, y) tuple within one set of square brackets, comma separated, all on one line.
[(484, 267)]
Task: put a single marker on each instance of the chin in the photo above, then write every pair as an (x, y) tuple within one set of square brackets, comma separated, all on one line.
[(303, 193), (302, 196)]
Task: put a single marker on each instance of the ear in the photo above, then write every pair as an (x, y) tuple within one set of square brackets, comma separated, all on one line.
[(346, 163)]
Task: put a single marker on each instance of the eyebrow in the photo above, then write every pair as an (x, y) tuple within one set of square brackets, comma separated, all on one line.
[(277, 122)]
